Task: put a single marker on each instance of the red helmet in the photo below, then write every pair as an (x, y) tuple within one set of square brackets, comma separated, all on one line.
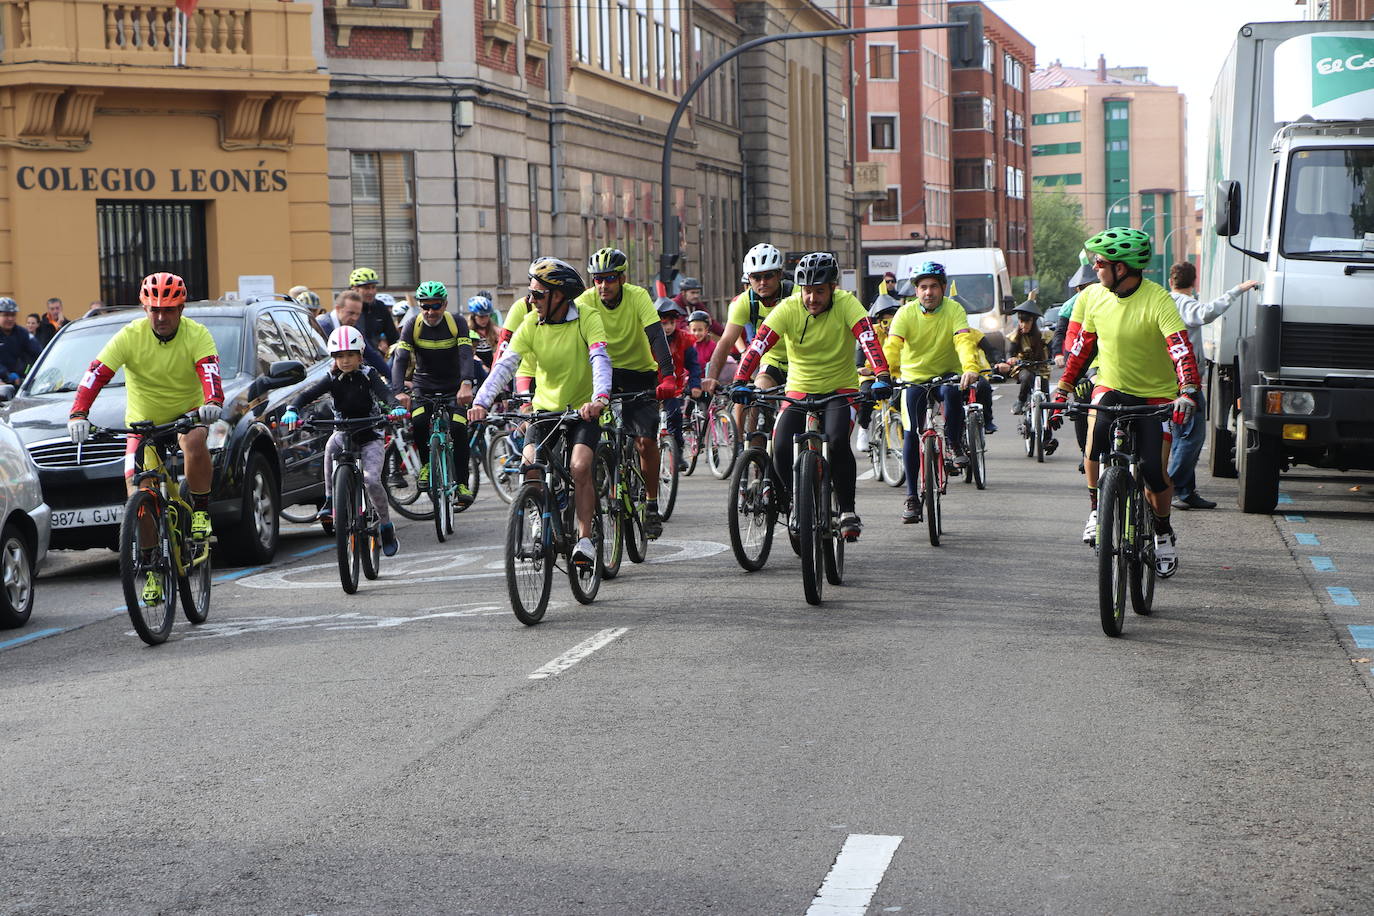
[(163, 291)]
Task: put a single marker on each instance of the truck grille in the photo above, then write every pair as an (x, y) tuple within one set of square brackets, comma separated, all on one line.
[(61, 453), (1327, 346)]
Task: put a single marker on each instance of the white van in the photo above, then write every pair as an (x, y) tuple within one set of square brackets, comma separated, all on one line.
[(978, 280)]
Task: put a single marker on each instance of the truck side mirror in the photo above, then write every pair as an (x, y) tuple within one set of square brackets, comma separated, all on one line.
[(1008, 303), (1226, 219)]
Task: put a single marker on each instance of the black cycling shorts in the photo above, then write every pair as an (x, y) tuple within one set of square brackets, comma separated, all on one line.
[(1152, 436), (640, 416), (577, 432)]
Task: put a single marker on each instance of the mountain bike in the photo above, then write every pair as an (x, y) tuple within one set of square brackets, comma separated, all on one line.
[(1125, 523), (885, 438), (668, 456), (357, 525), (935, 455), (542, 527), (156, 550), (755, 498), (1032, 426), (401, 474), (501, 458), (721, 436), (621, 490)]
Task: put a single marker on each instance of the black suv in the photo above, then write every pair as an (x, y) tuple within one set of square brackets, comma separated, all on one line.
[(267, 350)]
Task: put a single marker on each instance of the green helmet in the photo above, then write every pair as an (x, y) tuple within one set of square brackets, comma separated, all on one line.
[(432, 289), (1129, 246)]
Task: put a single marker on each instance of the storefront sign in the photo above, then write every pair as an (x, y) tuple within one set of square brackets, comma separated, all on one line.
[(173, 181)]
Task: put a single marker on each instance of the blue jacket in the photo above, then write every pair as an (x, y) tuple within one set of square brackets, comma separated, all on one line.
[(18, 350)]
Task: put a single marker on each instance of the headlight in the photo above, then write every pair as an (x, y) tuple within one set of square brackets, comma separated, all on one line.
[(1299, 402), (990, 322), (218, 435)]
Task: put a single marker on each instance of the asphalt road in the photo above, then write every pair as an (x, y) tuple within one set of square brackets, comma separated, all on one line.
[(952, 718)]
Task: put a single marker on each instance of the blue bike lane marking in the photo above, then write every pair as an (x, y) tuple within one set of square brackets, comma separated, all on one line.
[(1361, 635)]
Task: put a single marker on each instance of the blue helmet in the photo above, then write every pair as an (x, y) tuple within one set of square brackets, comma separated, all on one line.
[(930, 269), (479, 305)]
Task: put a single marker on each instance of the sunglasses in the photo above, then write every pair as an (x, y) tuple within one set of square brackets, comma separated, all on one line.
[(164, 311), (430, 305), (605, 278), (537, 295), (1100, 263), (766, 275)]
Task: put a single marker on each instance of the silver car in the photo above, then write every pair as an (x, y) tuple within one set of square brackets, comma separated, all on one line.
[(26, 524)]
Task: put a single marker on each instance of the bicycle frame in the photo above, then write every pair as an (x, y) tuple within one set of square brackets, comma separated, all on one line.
[(156, 477)]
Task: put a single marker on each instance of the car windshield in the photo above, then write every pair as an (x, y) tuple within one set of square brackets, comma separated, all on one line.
[(1329, 213), (62, 364), (973, 291)]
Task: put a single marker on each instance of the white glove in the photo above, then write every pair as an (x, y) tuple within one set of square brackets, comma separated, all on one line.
[(79, 428), (209, 413)]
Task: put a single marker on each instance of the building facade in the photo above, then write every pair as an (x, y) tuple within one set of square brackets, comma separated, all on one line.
[(1115, 142), (1336, 9), (114, 162)]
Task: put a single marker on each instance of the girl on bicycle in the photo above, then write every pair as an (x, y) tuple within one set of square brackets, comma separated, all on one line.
[(356, 389), (485, 326), (880, 314)]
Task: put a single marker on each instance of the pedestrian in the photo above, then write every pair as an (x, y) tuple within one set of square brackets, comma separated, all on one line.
[(97, 307), (348, 312), (1189, 437), (49, 324), (31, 322), (18, 349)]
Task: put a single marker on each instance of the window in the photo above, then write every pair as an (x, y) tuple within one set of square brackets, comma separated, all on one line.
[(987, 49), (383, 190), (535, 245), (1013, 72), (534, 20), (138, 237), (880, 2), (973, 233), (502, 221), (269, 346), (583, 13), (882, 62), (1117, 111), (889, 209), (382, 4), (1016, 183), (972, 113), (882, 132), (716, 98), (973, 174), (1016, 237), (1056, 149), (1056, 117), (1118, 146), (626, 64), (302, 344), (936, 70), (1018, 132), (603, 35), (937, 207), (1050, 181), (936, 137), (643, 23)]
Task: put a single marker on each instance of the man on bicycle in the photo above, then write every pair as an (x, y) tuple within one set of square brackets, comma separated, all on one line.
[(763, 271), (930, 337), (441, 347), (819, 323), (171, 368), (377, 324), (1144, 357), (567, 348), (641, 359)]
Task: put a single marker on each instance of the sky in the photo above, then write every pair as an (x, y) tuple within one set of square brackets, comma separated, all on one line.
[(1183, 42)]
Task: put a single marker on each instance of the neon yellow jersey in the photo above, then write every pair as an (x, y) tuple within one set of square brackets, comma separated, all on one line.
[(625, 338), (923, 346), (1132, 356), (557, 356), (161, 380), (738, 313), (513, 320), (1076, 314), (820, 348)]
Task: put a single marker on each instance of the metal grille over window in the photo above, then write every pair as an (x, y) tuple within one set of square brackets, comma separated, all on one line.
[(138, 237)]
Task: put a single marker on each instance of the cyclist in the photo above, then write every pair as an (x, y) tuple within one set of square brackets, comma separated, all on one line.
[(930, 336), (1144, 357), (171, 368), (439, 344), (18, 348), (699, 323), (377, 325), (637, 346), (568, 350), (819, 323), (1027, 344), (686, 371), (355, 389), (763, 272), (880, 315), (485, 325), (348, 312)]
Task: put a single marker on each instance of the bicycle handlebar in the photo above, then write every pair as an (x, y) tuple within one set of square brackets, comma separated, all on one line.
[(1120, 410), (181, 425), (346, 422)]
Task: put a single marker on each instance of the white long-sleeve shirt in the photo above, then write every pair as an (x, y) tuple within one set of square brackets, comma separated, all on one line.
[(1195, 314)]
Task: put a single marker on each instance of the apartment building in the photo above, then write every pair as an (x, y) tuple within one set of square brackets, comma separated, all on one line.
[(1115, 142), (1335, 9)]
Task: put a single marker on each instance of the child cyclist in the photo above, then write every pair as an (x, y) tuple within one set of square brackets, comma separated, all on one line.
[(686, 367), (699, 323), (356, 389), (1027, 344), (880, 315)]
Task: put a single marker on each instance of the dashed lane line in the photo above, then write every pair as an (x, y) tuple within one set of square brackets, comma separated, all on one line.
[(578, 652), (855, 876)]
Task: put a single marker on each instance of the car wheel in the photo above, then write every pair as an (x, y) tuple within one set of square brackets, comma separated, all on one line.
[(16, 578), (253, 539)]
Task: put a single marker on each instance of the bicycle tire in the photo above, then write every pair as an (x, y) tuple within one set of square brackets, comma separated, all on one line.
[(503, 468), (635, 502), (370, 536), (152, 623), (1112, 561), (748, 517), (808, 509), (1038, 432), (829, 521), (668, 455), (894, 436), (347, 546), (194, 584), (612, 547), (474, 481), (722, 438), (1142, 570), (440, 488), (404, 499), (930, 488), (978, 455), (529, 557), (691, 441), (583, 582)]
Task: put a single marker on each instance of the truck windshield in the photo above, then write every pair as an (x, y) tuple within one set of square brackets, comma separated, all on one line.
[(973, 291), (1329, 213)]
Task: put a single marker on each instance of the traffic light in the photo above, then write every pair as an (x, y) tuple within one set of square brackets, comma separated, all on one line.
[(966, 44)]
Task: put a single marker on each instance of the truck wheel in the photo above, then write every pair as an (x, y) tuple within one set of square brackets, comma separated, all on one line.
[(1221, 454), (253, 540), (1259, 473)]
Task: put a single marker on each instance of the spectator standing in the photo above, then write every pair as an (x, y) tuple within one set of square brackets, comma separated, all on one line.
[(31, 322), (377, 325), (348, 312), (18, 349), (49, 324), (1188, 437), (96, 307)]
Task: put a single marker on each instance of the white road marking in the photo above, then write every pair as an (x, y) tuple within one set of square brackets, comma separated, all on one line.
[(350, 620), (855, 876), (867, 475), (578, 652)]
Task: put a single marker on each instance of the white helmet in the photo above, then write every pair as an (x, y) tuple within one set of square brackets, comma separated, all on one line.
[(386, 299), (345, 339), (760, 258), (399, 312)]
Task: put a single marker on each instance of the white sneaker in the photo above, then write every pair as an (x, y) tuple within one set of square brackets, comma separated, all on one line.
[(863, 439), (1166, 555), (1090, 528), (584, 554)]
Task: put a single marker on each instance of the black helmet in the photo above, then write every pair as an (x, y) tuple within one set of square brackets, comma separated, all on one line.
[(816, 268), (607, 260), (882, 305), (666, 306), (689, 283), (559, 275), (700, 315)]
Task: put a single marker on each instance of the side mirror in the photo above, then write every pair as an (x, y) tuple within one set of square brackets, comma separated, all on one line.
[(285, 372), (1226, 219), (6, 393), (1008, 303)]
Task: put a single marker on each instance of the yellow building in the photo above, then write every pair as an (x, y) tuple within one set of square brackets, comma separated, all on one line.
[(115, 163)]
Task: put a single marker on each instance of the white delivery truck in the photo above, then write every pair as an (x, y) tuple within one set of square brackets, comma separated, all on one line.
[(1290, 369), (978, 280)]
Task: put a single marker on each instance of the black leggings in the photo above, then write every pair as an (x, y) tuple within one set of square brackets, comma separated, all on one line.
[(1027, 378), (458, 439), (1149, 438), (835, 423)]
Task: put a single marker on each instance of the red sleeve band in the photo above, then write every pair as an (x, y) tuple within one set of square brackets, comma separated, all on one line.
[(208, 369), (762, 342), (95, 378), (1185, 361), (868, 339)]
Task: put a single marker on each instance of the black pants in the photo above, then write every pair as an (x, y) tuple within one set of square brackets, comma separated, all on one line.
[(835, 423), (1026, 379), (458, 434), (1149, 439)]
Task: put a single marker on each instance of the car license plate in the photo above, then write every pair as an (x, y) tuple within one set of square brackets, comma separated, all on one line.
[(80, 518)]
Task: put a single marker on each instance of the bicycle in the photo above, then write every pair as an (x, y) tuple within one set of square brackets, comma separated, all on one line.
[(885, 438), (542, 527), (975, 443), (721, 436), (1032, 426), (935, 456), (357, 525), (155, 543), (668, 456), (621, 490), (755, 501), (401, 474), (1125, 541), (501, 458)]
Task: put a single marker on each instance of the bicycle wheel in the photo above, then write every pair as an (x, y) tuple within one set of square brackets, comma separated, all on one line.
[(1142, 573), (193, 582), (1112, 552), (585, 581), (347, 536), (474, 482), (1038, 431), (977, 453), (441, 487), (668, 455), (634, 509), (930, 488), (503, 467), (829, 520), (809, 508), (894, 471), (399, 482), (750, 514), (1027, 434), (146, 568), (529, 558), (370, 546), (691, 441), (721, 439), (612, 544)]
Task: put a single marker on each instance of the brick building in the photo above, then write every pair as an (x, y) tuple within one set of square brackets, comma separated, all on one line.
[(1335, 9)]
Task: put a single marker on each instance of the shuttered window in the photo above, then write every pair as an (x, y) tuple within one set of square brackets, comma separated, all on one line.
[(384, 217)]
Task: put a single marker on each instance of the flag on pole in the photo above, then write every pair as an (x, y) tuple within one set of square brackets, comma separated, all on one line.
[(187, 7), (181, 19)]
